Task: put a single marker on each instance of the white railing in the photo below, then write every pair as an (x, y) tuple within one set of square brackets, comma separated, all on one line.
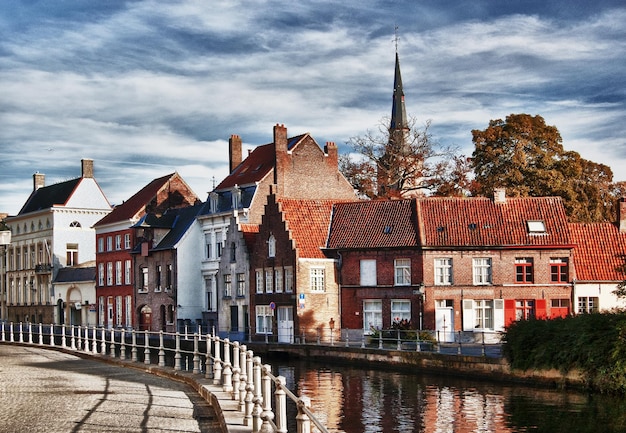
[(262, 397)]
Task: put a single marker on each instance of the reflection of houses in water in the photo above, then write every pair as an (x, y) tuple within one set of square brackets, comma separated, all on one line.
[(76, 291)]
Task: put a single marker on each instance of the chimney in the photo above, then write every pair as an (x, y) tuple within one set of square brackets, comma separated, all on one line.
[(280, 156), (87, 167), (39, 181), (280, 138), (234, 151), (331, 151), (499, 195), (621, 214)]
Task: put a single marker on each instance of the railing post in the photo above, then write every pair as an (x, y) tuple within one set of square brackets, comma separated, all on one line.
[(94, 341), (380, 339), (208, 360), (11, 338), (72, 338), (438, 343), (281, 405), (243, 377), (303, 422), (227, 373), (146, 347), (418, 346), (484, 351), (30, 333), (21, 333), (122, 344), (347, 339), (177, 355), (196, 355), (112, 347), (249, 400), (319, 337), (63, 338), (133, 350), (266, 390), (41, 334), (459, 350), (2, 326), (161, 350), (236, 371), (103, 343), (258, 396), (79, 337), (217, 362), (362, 340), (86, 346), (399, 342)]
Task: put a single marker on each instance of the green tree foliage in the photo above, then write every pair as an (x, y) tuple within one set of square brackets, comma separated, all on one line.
[(382, 165), (526, 156)]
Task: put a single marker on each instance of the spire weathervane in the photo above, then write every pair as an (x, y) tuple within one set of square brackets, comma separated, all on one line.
[(396, 38)]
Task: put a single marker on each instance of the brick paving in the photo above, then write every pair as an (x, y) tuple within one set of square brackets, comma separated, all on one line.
[(50, 391)]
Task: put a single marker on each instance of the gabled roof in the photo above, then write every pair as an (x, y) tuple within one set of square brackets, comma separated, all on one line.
[(49, 196), (597, 251), (177, 221), (257, 165), (135, 206), (307, 222), (479, 222), (249, 234), (373, 224), (74, 275)]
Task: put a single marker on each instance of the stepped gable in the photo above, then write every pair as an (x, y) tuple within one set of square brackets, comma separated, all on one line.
[(373, 224), (479, 222), (49, 196), (258, 164), (307, 222), (597, 251)]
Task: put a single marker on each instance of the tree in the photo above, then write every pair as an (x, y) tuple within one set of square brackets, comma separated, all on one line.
[(526, 156), (385, 164)]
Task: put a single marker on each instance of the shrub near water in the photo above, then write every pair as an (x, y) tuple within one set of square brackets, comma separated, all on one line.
[(592, 343)]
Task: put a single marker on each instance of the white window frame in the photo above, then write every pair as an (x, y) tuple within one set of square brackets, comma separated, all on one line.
[(109, 273), (129, 310), (258, 275), (400, 310), (271, 246), (100, 244), (144, 279), (443, 271), (482, 271), (118, 242), (402, 272), (263, 317), (317, 279), (269, 280), (118, 311), (288, 279), (278, 280), (127, 271), (372, 315), (101, 274), (127, 241), (367, 268), (118, 273)]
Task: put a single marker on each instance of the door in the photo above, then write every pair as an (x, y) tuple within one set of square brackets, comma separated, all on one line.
[(444, 317), (145, 319), (285, 324)]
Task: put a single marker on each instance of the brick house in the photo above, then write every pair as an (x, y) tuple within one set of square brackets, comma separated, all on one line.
[(379, 264), (166, 272), (52, 230), (488, 262), (294, 292), (115, 240), (598, 252), (297, 167)]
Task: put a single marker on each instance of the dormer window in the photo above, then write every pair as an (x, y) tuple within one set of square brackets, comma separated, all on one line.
[(271, 246), (536, 226), (213, 202)]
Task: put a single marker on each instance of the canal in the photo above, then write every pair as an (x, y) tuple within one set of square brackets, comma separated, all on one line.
[(362, 400)]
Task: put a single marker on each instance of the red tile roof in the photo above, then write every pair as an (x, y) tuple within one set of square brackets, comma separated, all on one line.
[(480, 222), (597, 252), (257, 165), (249, 234), (373, 224), (307, 222)]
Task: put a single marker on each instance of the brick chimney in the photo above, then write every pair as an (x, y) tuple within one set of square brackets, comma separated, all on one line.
[(87, 168), (280, 158), (331, 152), (621, 214), (499, 195), (39, 181), (234, 151)]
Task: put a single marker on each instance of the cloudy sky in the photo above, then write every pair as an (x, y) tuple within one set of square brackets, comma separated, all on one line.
[(147, 87)]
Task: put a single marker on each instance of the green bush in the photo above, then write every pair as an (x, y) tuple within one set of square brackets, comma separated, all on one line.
[(592, 343)]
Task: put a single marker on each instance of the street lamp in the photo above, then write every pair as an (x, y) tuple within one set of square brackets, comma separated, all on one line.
[(422, 296)]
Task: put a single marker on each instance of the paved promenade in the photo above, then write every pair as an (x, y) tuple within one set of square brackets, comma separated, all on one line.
[(49, 391)]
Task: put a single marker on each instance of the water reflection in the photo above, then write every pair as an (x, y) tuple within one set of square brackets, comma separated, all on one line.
[(362, 400)]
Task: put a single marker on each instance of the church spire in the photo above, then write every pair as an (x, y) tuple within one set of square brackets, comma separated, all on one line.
[(398, 111)]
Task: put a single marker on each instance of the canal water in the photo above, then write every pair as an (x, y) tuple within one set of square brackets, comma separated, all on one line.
[(358, 400)]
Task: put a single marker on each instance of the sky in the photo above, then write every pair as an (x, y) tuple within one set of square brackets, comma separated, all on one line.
[(146, 88)]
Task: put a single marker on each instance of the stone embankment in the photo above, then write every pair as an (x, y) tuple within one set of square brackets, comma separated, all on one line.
[(464, 366)]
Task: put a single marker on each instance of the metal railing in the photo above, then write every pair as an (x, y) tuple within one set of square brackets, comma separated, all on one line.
[(262, 397)]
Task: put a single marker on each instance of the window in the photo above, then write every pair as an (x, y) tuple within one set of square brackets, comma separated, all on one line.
[(443, 272), (537, 226), (109, 243), (402, 272), (208, 286), (168, 276), (170, 314), (263, 319), (127, 272), (109, 273), (288, 279), (227, 286), (209, 245), (218, 244), (241, 284), (269, 277), (118, 242), (71, 254), (271, 246), (101, 274), (157, 278), (278, 280), (144, 279), (524, 309), (558, 270), (559, 308), (100, 245), (317, 279), (372, 315), (127, 241), (118, 273), (524, 270), (233, 252), (129, 310), (74, 224), (482, 271), (400, 311), (588, 304), (368, 272), (101, 310), (483, 314), (258, 274), (118, 311)]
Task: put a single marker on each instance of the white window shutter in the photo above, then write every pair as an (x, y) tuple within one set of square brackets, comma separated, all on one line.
[(468, 314), (498, 314)]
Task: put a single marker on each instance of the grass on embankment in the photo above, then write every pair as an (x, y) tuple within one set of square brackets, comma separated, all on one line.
[(592, 343)]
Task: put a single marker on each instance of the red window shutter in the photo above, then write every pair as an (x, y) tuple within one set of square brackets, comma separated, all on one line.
[(541, 312), (509, 311)]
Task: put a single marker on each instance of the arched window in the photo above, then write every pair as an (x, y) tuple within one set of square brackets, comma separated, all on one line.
[(74, 224), (271, 246)]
